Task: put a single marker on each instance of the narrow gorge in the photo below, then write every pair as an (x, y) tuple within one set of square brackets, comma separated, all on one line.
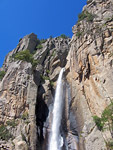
[(28, 81)]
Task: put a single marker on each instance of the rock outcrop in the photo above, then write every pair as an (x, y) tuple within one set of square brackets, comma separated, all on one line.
[(91, 70), (27, 93)]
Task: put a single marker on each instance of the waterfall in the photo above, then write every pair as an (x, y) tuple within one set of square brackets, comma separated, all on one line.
[(56, 141)]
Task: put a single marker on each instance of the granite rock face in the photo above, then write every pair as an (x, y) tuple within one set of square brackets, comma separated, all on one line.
[(27, 94), (90, 71)]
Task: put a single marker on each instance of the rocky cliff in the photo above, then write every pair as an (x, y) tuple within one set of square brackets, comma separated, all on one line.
[(90, 64), (27, 93)]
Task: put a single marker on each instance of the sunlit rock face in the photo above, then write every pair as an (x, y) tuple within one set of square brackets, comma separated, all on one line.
[(90, 71), (27, 93)]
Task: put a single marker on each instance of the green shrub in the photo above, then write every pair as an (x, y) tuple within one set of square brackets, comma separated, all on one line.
[(27, 122), (34, 63), (82, 16), (106, 120), (25, 116), (39, 46), (26, 56), (53, 53), (20, 39), (98, 122), (48, 71), (43, 41), (90, 17), (11, 123), (2, 74), (45, 77), (63, 36), (10, 58), (23, 137), (87, 15), (107, 117), (4, 133), (78, 34), (51, 83)]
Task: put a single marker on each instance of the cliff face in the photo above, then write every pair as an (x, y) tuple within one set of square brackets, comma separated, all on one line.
[(90, 65), (27, 94)]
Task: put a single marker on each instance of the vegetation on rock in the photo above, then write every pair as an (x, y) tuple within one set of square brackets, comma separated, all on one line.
[(25, 116), (47, 71), (45, 78), (11, 123), (4, 133), (39, 46), (53, 53), (40, 42), (23, 137), (78, 34), (63, 36), (2, 74), (106, 120), (26, 56), (51, 83), (20, 39), (98, 122), (87, 15), (43, 41)]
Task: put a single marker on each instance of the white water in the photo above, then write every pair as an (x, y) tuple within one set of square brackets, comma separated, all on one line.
[(56, 141)]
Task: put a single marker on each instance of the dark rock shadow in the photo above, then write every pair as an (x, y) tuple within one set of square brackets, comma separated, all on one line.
[(41, 112)]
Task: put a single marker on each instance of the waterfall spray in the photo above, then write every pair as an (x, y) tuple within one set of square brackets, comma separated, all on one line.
[(56, 141)]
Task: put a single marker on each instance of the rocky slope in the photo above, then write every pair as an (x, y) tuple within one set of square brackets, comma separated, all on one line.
[(27, 93)]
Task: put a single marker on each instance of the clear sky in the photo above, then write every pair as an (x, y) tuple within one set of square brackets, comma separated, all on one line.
[(43, 17)]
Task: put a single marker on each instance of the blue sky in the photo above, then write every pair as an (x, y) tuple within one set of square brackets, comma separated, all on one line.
[(43, 17)]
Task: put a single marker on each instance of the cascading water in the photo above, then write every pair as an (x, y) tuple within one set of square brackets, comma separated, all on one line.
[(56, 141)]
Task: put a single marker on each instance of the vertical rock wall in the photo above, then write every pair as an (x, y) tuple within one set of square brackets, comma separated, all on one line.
[(18, 93), (90, 71)]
